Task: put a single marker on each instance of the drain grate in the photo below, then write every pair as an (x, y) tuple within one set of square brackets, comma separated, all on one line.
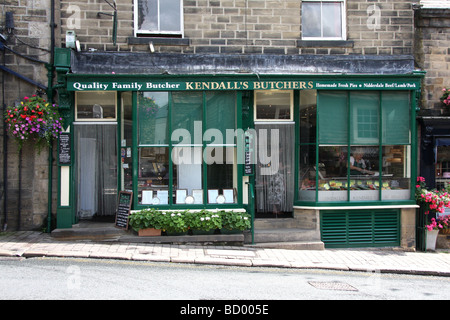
[(332, 286)]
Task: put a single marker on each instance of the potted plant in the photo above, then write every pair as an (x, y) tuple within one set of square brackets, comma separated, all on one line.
[(147, 222), (433, 203), (34, 119), (233, 221), (203, 222)]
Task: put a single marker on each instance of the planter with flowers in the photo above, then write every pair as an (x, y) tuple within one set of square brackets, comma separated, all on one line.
[(191, 221), (34, 119), (445, 98), (433, 203)]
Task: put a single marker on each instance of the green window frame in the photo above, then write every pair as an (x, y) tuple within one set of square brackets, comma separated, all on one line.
[(172, 128), (378, 124)]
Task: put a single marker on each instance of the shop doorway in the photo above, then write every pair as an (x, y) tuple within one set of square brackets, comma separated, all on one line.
[(96, 170), (274, 180)]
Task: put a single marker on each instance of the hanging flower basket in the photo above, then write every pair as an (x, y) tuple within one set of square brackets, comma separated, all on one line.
[(445, 99), (34, 119)]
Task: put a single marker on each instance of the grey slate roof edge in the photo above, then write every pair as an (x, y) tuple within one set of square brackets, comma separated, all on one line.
[(177, 64)]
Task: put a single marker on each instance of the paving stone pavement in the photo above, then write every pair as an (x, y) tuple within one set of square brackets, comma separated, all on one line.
[(27, 244)]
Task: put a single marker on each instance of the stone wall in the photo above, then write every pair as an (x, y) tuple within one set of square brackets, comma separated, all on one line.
[(432, 53), (246, 26), (28, 46)]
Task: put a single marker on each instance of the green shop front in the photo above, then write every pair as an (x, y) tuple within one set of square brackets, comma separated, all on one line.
[(333, 153)]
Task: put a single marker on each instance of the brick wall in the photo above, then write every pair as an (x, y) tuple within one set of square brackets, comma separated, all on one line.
[(249, 27)]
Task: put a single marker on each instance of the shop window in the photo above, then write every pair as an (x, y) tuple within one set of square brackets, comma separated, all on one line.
[(323, 20), (273, 105), (186, 154), (95, 106), (126, 134), (158, 17), (363, 147)]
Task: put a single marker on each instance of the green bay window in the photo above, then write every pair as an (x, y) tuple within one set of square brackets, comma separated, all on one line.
[(185, 153), (363, 147)]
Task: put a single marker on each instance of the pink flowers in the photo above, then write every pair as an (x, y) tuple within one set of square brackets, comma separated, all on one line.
[(433, 200), (445, 96), (34, 119)]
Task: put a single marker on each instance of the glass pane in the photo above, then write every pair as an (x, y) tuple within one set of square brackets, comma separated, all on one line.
[(308, 114), (364, 173), (332, 19), (170, 15), (442, 164), (221, 172), (307, 175), (153, 175), (396, 177), (96, 105), (333, 173), (396, 117), (153, 109), (220, 115), (273, 105), (187, 174), (148, 15), (333, 118), (311, 20), (187, 116), (365, 117)]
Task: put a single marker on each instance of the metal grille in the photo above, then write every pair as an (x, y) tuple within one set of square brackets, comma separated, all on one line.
[(332, 286)]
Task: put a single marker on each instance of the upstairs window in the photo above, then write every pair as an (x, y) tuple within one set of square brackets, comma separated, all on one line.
[(158, 17), (323, 20)]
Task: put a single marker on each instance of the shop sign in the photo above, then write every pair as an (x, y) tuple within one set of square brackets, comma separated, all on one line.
[(122, 85)]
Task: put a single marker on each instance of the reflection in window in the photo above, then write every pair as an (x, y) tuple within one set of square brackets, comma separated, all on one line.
[(153, 109), (153, 175), (273, 105), (96, 105), (322, 19), (158, 16)]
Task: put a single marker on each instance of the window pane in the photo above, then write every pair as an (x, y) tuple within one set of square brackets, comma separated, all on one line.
[(364, 173), (396, 118), (127, 141), (220, 114), (308, 114), (222, 172), (170, 15), (307, 176), (187, 113), (396, 178), (311, 20), (333, 173), (365, 117), (273, 105), (153, 108), (153, 178), (96, 105), (148, 15), (333, 118), (332, 19), (188, 173)]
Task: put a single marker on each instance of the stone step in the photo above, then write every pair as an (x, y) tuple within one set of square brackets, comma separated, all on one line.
[(285, 235), (292, 245), (280, 223)]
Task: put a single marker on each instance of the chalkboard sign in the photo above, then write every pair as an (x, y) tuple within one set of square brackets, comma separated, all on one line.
[(64, 149), (123, 209)]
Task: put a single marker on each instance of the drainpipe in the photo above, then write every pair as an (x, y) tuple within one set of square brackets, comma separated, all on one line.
[(50, 96), (5, 153)]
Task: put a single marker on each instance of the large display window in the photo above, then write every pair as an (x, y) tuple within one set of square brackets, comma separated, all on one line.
[(363, 147), (184, 153)]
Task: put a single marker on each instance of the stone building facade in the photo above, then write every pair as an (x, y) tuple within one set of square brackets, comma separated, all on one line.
[(26, 48)]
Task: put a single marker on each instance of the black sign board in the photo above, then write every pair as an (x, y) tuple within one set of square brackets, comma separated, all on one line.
[(123, 209), (64, 149), (248, 155)]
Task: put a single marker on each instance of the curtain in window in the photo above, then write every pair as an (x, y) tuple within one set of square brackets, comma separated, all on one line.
[(275, 192)]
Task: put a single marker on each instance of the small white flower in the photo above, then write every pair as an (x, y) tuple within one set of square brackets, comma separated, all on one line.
[(202, 219)]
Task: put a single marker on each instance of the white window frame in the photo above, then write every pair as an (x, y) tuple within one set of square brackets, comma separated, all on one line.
[(343, 17), (138, 32)]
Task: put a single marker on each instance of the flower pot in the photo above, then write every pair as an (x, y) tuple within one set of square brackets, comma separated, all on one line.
[(149, 232), (431, 239)]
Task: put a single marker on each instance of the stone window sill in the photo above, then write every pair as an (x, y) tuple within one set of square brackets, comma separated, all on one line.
[(324, 44), (157, 41)]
